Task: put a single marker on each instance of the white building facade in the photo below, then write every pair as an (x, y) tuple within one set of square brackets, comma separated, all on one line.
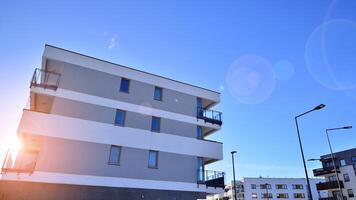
[(98, 130), (271, 188)]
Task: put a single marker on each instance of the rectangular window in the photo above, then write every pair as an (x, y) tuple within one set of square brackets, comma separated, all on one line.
[(263, 186), (254, 195), (299, 195), (332, 178), (346, 178), (153, 159), (281, 186), (282, 195), (200, 169), (297, 187), (115, 153), (120, 117), (156, 124), (350, 193), (200, 112), (158, 94), (342, 162), (125, 85), (267, 195), (253, 186), (329, 164), (199, 132), (353, 158)]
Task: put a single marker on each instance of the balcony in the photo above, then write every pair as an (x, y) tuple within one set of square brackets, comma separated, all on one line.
[(331, 198), (23, 161), (211, 116), (45, 79), (329, 185), (211, 178), (325, 170)]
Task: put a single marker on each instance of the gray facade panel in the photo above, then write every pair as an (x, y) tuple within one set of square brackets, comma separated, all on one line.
[(103, 114), (102, 84), (85, 158), (16, 190)]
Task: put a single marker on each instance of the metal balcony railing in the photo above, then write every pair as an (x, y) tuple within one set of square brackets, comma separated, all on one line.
[(45, 79), (329, 185), (325, 170), (23, 161), (211, 178), (332, 198), (211, 116)]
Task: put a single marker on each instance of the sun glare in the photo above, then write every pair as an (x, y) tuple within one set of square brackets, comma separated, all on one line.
[(14, 144)]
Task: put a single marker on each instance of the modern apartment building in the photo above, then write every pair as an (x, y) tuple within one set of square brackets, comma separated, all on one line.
[(98, 130), (270, 188), (345, 162)]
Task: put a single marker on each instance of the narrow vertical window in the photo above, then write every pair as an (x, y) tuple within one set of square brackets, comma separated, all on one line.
[(156, 124), (199, 132), (346, 178), (200, 169), (158, 94), (125, 85), (153, 159), (199, 107), (115, 153), (120, 117)]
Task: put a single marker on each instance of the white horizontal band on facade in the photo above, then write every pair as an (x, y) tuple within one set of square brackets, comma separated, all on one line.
[(54, 53), (96, 100), (37, 123), (89, 180)]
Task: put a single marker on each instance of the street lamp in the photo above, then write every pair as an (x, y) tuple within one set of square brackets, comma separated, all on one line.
[(332, 155), (233, 168), (301, 147)]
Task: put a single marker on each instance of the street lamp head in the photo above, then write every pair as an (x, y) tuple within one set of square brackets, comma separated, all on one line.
[(232, 152), (313, 159), (319, 107), (347, 127)]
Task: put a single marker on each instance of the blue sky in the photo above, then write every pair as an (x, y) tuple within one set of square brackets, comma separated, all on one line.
[(271, 60)]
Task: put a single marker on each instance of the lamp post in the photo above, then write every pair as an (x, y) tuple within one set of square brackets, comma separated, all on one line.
[(233, 168), (301, 147), (332, 156)]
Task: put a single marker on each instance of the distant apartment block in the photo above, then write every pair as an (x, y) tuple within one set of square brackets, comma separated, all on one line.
[(345, 169), (270, 188), (98, 130)]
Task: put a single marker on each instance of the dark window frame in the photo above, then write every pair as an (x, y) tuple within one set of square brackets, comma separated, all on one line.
[(296, 195), (283, 187), (161, 94), (124, 116), (128, 85), (119, 156), (159, 124), (346, 177), (298, 186), (148, 161), (200, 135), (353, 159)]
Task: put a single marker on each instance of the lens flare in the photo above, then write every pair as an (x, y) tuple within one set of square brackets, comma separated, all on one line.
[(330, 54), (250, 79)]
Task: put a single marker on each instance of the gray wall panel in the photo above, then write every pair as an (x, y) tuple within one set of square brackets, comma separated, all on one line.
[(76, 157), (103, 114), (97, 83)]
